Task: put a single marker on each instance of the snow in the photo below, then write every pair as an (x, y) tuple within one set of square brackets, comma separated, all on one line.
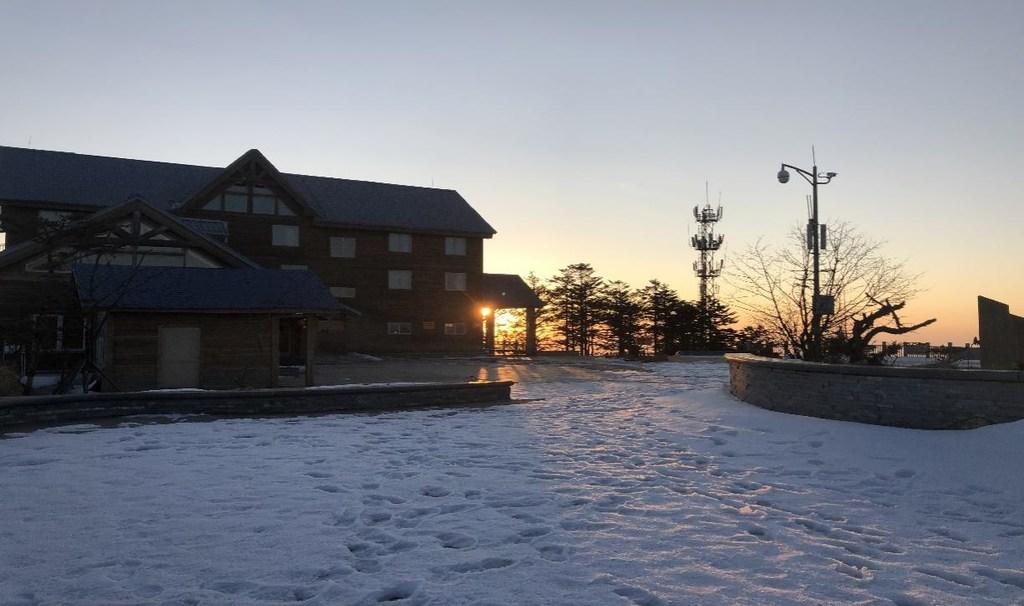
[(348, 386), (621, 487)]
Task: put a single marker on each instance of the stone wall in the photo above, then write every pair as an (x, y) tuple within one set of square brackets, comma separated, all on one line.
[(40, 410), (922, 398)]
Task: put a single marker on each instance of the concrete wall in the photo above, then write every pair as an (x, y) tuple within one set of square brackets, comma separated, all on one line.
[(1001, 334), (40, 410), (922, 398)]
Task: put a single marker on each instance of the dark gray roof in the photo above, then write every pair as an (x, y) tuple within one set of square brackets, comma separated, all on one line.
[(508, 291), (32, 175), (218, 230), (192, 289)]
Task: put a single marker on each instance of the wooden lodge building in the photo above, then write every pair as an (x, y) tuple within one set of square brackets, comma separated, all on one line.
[(244, 266)]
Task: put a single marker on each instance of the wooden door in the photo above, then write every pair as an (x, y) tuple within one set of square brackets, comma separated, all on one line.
[(178, 361)]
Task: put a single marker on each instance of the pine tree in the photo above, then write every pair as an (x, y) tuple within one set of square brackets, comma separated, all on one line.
[(658, 302), (714, 319), (621, 314), (575, 297)]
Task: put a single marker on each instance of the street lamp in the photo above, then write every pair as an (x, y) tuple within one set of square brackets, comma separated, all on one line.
[(819, 305)]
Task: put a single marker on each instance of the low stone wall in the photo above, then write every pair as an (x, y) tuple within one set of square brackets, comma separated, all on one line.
[(40, 410), (921, 398)]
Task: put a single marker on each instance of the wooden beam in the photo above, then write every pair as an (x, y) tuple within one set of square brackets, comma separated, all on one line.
[(311, 329), (490, 332), (275, 351)]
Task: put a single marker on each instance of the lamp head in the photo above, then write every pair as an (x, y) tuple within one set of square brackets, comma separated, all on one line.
[(830, 175), (783, 176)]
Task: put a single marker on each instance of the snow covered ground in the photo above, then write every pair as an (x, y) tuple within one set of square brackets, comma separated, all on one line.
[(637, 487)]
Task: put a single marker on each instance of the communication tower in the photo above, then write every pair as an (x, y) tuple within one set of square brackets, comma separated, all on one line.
[(707, 243)]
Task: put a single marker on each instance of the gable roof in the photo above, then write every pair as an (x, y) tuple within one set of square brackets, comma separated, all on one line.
[(99, 220), (39, 176), (211, 228), (507, 291), (129, 288)]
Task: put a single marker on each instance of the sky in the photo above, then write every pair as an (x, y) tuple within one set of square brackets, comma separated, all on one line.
[(582, 131)]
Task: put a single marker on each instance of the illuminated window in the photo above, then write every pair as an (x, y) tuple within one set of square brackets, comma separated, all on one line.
[(454, 281), (455, 246), (400, 279), (400, 243)]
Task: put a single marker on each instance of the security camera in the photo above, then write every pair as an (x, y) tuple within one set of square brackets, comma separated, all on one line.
[(783, 176)]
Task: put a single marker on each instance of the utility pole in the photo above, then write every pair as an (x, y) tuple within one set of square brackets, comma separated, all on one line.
[(820, 305)]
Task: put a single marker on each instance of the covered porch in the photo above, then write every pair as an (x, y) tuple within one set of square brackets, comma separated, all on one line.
[(504, 292)]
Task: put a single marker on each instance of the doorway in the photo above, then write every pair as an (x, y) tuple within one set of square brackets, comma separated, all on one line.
[(178, 359)]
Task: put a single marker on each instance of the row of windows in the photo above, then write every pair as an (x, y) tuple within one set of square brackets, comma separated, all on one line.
[(344, 247), (401, 279), (236, 199), (405, 328), (398, 279)]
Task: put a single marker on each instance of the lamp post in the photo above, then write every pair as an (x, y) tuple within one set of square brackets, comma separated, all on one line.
[(819, 305)]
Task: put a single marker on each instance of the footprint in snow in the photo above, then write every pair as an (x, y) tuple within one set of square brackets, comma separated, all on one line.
[(455, 540), (405, 593), (640, 597), (435, 491), (376, 517), (482, 565), (554, 553)]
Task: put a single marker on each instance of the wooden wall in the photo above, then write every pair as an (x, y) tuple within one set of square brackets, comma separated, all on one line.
[(427, 301), (236, 351)]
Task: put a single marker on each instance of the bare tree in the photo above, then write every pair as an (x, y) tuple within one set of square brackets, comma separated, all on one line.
[(774, 288)]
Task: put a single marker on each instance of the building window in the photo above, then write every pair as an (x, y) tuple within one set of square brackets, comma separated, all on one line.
[(285, 235), (343, 292), (454, 281), (344, 248), (236, 202), (454, 328), (399, 328), (429, 325), (399, 243), (400, 279), (455, 246), (238, 199), (263, 205), (295, 267)]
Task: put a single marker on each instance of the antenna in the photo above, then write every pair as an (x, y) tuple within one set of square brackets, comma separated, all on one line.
[(706, 242), (814, 158)]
